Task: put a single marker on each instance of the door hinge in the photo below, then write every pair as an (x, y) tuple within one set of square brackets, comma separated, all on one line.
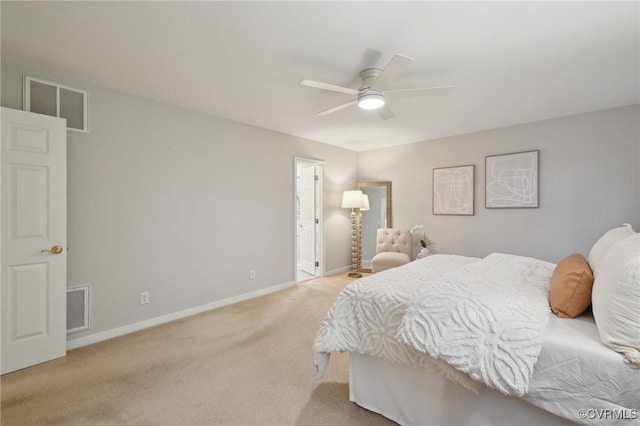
[(317, 263), (315, 177), (317, 221)]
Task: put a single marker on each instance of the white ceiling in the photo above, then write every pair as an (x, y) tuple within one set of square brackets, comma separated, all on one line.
[(510, 63)]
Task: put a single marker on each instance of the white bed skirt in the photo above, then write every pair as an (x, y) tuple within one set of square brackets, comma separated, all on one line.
[(417, 397)]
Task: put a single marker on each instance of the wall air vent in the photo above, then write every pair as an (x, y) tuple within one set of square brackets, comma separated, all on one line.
[(48, 98), (77, 309)]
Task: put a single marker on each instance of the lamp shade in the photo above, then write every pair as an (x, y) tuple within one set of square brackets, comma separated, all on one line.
[(365, 199), (352, 200)]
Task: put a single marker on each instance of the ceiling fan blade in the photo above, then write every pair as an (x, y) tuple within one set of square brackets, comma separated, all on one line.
[(436, 89), (393, 69), (385, 112), (327, 86), (338, 107)]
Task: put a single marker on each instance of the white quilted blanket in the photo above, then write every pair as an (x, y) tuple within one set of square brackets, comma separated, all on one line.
[(367, 314), (486, 319)]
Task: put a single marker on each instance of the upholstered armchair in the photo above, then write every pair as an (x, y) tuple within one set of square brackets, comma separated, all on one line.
[(393, 248)]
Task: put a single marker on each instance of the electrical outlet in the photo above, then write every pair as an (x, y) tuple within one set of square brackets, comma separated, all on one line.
[(252, 274), (144, 297)]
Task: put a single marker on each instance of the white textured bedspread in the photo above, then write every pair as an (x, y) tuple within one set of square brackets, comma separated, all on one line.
[(366, 316), (485, 319), (469, 320), (579, 378)]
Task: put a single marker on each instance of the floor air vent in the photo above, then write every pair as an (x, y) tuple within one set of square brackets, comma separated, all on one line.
[(77, 309)]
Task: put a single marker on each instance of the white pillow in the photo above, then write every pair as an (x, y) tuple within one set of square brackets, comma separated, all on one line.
[(600, 248), (616, 299)]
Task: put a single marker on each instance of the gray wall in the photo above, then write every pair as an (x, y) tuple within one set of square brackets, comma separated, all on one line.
[(589, 183), (183, 205)]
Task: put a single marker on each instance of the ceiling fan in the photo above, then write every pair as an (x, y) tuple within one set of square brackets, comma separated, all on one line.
[(372, 92)]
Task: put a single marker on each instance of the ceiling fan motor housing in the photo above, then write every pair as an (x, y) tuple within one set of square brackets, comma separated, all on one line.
[(367, 97), (369, 76)]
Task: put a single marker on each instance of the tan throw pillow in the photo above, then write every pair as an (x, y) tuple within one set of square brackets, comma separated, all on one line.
[(571, 283)]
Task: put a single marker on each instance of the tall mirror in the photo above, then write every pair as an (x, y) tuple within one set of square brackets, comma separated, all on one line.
[(377, 216)]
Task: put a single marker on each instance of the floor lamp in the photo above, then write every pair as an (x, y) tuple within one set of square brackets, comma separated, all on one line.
[(355, 201)]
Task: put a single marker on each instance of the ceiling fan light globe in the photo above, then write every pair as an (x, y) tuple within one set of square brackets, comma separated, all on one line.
[(371, 101)]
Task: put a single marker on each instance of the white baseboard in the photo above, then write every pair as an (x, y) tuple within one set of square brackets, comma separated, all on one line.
[(121, 331), (337, 271)]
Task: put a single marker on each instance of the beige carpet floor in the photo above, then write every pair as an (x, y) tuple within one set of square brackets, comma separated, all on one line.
[(245, 364)]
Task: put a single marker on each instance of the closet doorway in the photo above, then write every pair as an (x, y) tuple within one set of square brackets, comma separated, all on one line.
[(308, 219)]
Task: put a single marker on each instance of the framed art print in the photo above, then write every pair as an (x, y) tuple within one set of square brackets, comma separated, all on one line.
[(511, 180), (453, 189)]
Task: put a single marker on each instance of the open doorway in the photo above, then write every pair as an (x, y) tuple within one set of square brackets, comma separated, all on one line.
[(308, 219)]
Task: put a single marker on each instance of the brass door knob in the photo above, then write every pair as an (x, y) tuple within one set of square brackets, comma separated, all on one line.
[(53, 250)]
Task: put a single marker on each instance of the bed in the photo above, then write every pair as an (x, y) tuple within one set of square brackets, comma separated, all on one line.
[(447, 366)]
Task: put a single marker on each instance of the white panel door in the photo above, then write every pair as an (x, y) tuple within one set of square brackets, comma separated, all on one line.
[(33, 239), (307, 193)]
